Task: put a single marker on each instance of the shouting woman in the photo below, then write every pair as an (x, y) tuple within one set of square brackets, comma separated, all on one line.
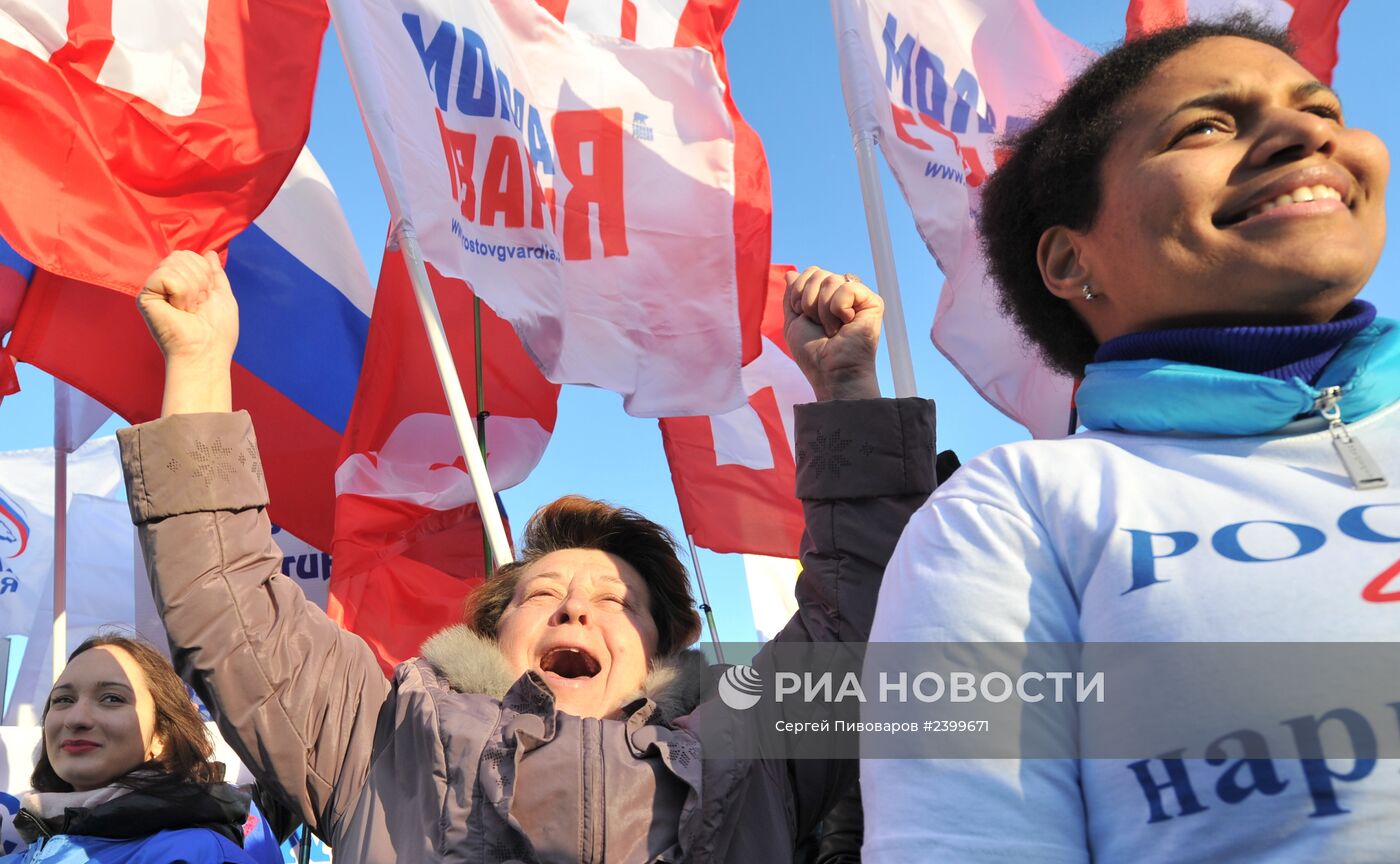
[(558, 723)]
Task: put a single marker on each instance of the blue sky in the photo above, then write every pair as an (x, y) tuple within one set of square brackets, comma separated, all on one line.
[(783, 69)]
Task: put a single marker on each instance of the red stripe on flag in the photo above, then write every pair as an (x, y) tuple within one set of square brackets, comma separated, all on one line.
[(702, 24), (395, 591), (557, 8), (1315, 28), (1145, 16), (732, 508), (629, 21), (94, 339), (12, 287), (299, 456)]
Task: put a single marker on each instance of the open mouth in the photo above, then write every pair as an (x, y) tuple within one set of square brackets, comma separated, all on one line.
[(570, 663), (1299, 195)]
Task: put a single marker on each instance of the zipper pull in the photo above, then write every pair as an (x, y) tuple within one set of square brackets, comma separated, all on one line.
[(1363, 470), (36, 825)]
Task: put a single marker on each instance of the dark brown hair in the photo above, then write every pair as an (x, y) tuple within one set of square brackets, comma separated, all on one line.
[(185, 757), (1052, 178), (575, 522)]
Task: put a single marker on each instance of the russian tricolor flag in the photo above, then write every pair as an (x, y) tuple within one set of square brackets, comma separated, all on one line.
[(304, 300)]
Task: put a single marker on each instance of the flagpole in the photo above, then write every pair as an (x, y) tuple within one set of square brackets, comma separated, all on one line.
[(705, 599), (355, 41), (497, 542), (60, 561), (881, 249), (876, 223)]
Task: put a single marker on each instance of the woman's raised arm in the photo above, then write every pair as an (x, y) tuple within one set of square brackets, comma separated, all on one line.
[(296, 696)]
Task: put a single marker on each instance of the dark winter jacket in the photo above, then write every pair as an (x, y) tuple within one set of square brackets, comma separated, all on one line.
[(455, 759)]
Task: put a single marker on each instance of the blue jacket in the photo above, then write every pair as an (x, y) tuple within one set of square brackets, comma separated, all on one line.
[(192, 845), (193, 824)]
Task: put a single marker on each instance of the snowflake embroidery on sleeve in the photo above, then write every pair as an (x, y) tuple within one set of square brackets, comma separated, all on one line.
[(827, 453), (211, 461), (249, 459)]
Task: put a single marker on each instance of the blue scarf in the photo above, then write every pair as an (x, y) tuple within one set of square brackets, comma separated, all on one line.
[(1150, 395)]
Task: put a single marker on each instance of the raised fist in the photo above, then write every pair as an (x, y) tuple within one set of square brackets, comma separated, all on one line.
[(190, 310), (832, 325)]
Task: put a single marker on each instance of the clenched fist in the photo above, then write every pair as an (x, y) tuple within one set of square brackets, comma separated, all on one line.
[(833, 328), (190, 310)]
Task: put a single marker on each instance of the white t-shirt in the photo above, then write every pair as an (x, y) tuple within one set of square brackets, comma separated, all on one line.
[(1109, 537)]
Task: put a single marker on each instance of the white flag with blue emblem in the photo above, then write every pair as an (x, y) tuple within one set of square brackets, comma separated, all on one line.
[(27, 553)]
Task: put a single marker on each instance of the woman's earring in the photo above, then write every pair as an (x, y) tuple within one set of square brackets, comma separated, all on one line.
[(1089, 292)]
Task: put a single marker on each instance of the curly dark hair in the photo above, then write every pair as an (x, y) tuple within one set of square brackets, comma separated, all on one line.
[(188, 753), (575, 522), (1052, 178)]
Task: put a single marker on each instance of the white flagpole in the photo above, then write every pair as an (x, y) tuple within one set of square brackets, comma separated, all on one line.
[(370, 97), (60, 533), (886, 280), (452, 388), (877, 225)]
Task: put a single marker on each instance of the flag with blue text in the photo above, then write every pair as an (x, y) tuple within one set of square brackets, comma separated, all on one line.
[(584, 186), (937, 83), (701, 24)]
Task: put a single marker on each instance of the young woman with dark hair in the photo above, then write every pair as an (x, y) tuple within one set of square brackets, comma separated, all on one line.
[(560, 722), (1187, 227), (124, 773)]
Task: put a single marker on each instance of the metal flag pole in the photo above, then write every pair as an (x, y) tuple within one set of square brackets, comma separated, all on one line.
[(355, 42), (499, 544), (865, 137), (882, 251), (60, 561), (705, 599)]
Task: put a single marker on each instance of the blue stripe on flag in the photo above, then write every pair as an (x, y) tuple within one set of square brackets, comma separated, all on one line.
[(12, 259), (297, 332)]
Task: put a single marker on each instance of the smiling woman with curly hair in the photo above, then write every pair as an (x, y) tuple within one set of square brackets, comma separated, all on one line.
[(1187, 227)]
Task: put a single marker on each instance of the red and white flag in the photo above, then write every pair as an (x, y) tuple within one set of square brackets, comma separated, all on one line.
[(408, 539), (585, 186), (134, 128), (735, 473), (304, 300), (1313, 25), (701, 24), (938, 83)]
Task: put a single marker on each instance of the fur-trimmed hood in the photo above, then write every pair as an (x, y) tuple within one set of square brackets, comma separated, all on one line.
[(473, 664)]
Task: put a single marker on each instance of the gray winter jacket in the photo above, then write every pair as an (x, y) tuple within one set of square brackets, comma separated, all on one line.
[(452, 759)]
